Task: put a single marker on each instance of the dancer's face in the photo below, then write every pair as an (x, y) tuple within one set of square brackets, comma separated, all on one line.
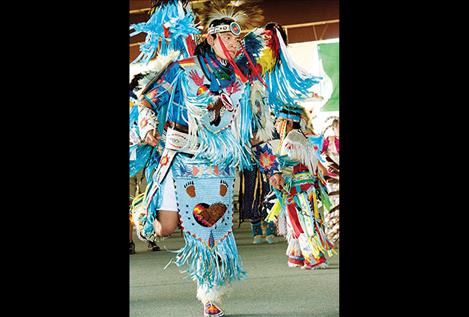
[(230, 41), (279, 123), (336, 130)]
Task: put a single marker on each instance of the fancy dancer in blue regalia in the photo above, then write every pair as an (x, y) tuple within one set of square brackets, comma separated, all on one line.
[(204, 113)]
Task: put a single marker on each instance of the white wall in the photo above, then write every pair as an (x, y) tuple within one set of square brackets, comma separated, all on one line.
[(306, 55)]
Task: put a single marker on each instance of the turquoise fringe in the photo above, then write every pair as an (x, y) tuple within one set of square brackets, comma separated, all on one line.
[(213, 267), (247, 117), (143, 154), (286, 86), (222, 148)]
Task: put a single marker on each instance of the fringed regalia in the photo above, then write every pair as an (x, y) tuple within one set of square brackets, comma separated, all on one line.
[(299, 211), (330, 151), (207, 112)]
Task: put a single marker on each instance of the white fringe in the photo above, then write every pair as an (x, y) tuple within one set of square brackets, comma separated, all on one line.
[(264, 133), (301, 71), (236, 124), (196, 109), (214, 294), (152, 68), (282, 224), (321, 266), (298, 148)]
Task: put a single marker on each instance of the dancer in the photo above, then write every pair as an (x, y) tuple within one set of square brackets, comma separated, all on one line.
[(298, 210), (330, 150), (252, 195), (203, 114)]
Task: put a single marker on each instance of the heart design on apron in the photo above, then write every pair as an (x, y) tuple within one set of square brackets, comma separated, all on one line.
[(207, 215)]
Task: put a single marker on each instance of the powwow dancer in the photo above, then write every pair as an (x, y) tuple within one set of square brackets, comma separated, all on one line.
[(203, 114), (298, 209), (254, 189), (330, 150)]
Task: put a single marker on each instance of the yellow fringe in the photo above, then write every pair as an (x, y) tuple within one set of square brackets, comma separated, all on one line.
[(137, 200), (315, 205), (274, 212), (283, 132)]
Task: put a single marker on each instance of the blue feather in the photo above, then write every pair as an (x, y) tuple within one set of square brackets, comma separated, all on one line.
[(253, 45), (180, 25)]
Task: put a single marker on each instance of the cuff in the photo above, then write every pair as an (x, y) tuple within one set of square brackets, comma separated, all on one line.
[(147, 121)]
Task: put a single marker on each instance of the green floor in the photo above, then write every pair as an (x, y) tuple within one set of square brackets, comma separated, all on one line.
[(271, 289)]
